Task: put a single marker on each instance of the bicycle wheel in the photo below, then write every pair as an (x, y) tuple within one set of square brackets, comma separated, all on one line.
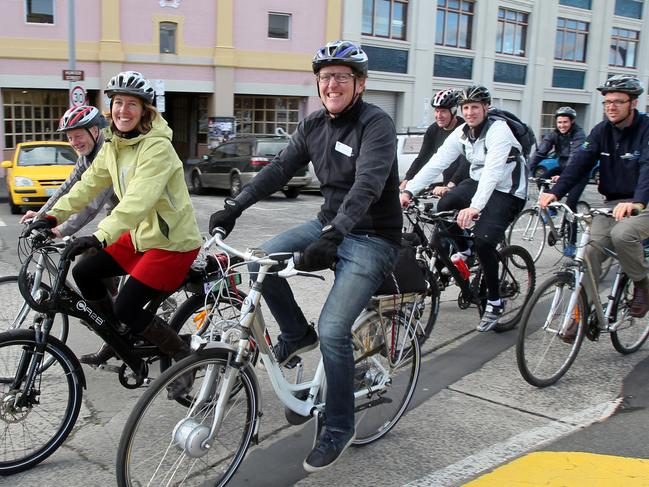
[(15, 313), (630, 333), (428, 309), (528, 231), (33, 431), (517, 278), (544, 352), (388, 359), (162, 440)]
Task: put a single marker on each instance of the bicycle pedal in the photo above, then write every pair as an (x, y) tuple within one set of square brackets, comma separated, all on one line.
[(291, 364), (107, 368)]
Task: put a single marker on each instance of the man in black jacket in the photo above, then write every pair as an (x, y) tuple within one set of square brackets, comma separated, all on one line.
[(445, 104), (352, 145), (620, 144), (564, 141)]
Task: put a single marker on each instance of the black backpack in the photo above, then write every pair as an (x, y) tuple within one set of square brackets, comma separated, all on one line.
[(523, 132)]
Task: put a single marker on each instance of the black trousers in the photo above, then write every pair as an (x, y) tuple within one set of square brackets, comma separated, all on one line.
[(131, 300), (489, 230)]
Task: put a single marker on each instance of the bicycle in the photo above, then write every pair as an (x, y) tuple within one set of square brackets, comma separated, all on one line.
[(559, 315), (41, 379), (203, 441), (517, 273), (535, 226)]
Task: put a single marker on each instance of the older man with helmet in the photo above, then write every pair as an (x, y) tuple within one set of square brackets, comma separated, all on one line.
[(445, 104), (358, 230), (620, 144)]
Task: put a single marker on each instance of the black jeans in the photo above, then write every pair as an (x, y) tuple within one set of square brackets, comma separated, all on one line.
[(130, 302), (489, 230)]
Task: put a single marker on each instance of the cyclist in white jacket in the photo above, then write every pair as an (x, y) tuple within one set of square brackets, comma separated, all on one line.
[(495, 190)]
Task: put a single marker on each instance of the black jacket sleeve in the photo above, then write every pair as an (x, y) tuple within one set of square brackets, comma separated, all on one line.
[(581, 163), (544, 148), (425, 153), (461, 172)]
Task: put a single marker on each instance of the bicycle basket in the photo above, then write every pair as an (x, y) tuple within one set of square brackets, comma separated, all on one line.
[(39, 298)]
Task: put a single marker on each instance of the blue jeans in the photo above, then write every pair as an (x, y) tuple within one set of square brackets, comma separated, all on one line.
[(363, 263)]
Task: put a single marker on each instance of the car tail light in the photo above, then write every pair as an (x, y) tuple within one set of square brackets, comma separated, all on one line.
[(259, 161)]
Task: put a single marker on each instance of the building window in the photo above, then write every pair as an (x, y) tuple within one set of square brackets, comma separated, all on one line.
[(568, 78), (629, 8), (386, 59), (39, 11), (32, 114), (279, 26), (168, 37), (576, 3), (509, 73), (624, 46), (262, 115), (512, 31), (548, 123), (454, 23), (385, 18), (572, 36), (452, 67)]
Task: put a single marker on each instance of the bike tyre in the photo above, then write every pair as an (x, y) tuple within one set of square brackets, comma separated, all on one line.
[(529, 232), (622, 303), (519, 262)]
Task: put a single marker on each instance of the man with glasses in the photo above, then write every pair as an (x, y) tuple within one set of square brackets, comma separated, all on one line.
[(352, 145), (620, 145)]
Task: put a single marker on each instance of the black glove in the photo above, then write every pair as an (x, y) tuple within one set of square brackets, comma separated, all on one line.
[(46, 223), (323, 253), (226, 218), (80, 244)]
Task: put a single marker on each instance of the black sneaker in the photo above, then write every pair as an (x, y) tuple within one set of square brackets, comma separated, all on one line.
[(285, 351), (328, 450)]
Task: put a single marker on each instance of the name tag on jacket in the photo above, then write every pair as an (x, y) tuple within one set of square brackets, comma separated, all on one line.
[(343, 149)]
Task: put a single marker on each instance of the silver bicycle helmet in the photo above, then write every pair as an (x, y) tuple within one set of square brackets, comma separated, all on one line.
[(82, 117), (130, 83), (566, 112), (623, 83), (340, 53), (475, 94)]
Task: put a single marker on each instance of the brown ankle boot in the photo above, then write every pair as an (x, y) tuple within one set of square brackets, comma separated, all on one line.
[(99, 357), (640, 303)]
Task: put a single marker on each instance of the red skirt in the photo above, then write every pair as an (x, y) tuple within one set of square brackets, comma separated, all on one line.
[(159, 269)]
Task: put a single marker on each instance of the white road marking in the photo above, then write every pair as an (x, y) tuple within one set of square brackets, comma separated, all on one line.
[(2, 223), (516, 446)]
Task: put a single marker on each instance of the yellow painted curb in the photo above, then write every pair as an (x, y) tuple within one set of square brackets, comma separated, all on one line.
[(568, 469)]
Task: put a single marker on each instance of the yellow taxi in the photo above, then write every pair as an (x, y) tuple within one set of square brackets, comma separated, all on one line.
[(36, 172)]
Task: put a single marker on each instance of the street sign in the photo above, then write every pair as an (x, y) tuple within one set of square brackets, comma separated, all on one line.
[(77, 96), (73, 75)]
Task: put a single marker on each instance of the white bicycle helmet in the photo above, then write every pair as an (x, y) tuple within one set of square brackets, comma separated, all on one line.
[(446, 99), (340, 53), (82, 117), (130, 83)]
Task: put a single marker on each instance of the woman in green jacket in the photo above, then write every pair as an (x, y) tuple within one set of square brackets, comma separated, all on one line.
[(151, 234)]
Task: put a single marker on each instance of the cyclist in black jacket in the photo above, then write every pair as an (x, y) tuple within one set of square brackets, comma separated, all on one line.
[(564, 141), (352, 145), (620, 144), (445, 104)]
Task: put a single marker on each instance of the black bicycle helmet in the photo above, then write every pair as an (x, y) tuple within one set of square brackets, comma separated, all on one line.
[(130, 83), (82, 117), (623, 83), (445, 99), (475, 94), (340, 53), (566, 112)]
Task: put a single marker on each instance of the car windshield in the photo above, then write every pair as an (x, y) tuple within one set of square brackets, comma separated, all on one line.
[(270, 148), (47, 155)]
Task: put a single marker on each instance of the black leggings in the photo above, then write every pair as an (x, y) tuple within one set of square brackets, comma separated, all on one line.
[(489, 230), (131, 300)]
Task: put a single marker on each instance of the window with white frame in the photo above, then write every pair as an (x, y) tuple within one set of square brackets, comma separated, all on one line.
[(32, 114), (168, 37), (624, 47), (279, 26), (385, 18), (571, 40), (454, 23), (262, 115), (39, 11), (511, 32)]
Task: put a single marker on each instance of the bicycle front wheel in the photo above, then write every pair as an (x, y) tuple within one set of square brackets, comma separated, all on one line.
[(630, 333), (15, 313), (162, 441), (517, 278), (546, 348), (528, 231), (428, 309), (387, 357), (35, 421)]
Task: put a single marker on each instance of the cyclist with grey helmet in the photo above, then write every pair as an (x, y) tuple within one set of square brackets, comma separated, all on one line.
[(496, 189), (352, 145), (620, 144), (446, 120), (566, 139)]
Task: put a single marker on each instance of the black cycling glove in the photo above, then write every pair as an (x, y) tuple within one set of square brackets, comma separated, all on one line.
[(323, 253), (46, 223), (227, 217), (81, 244)]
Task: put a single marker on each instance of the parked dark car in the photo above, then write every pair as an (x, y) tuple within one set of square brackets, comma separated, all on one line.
[(234, 163)]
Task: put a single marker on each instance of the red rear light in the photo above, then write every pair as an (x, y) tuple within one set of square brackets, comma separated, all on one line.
[(259, 161)]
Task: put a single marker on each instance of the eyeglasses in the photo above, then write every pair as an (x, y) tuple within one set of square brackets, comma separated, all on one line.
[(615, 103), (341, 78)]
